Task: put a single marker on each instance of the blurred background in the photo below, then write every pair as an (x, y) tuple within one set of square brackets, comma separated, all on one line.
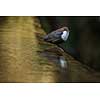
[(84, 36), (26, 57)]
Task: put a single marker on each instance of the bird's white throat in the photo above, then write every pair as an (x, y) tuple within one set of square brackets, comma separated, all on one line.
[(65, 35)]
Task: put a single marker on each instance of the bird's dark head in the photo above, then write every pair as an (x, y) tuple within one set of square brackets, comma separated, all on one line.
[(57, 36)]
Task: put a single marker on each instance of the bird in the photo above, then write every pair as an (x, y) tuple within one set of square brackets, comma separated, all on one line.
[(58, 36)]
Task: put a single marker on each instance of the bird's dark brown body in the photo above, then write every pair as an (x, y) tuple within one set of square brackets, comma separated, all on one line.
[(55, 36)]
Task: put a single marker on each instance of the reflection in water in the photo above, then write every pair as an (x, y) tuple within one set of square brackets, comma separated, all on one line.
[(59, 65), (63, 62)]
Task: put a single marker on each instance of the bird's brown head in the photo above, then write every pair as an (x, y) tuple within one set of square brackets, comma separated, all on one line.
[(57, 36)]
